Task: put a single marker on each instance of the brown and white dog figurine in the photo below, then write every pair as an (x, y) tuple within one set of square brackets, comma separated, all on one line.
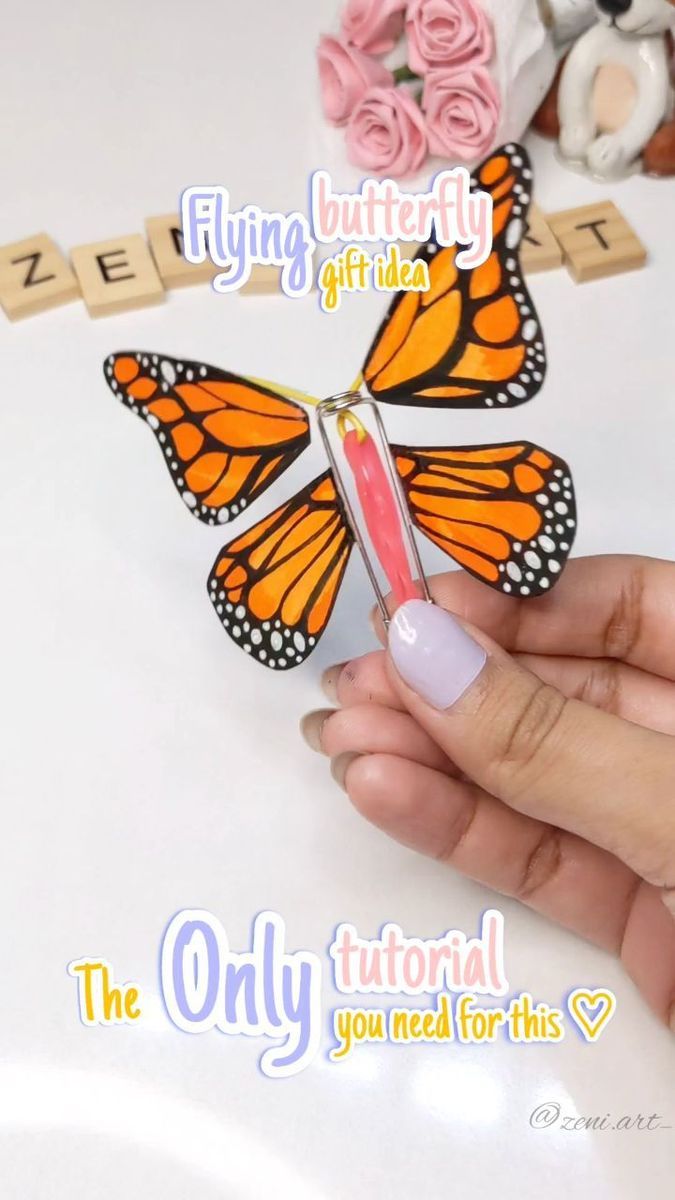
[(615, 98)]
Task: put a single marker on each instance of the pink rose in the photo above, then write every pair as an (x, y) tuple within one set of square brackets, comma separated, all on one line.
[(345, 74), (386, 132), (445, 33), (373, 25), (462, 109)]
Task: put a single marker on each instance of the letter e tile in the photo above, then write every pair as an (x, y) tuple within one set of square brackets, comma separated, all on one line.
[(116, 275)]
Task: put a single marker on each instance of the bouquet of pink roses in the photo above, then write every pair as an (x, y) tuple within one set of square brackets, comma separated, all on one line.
[(447, 96)]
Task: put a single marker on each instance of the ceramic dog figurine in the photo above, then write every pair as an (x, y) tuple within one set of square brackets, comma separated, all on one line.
[(614, 96)]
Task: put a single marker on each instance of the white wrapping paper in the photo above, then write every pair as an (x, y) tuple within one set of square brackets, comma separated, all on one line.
[(524, 64)]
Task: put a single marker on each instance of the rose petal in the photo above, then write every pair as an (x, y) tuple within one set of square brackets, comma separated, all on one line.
[(445, 33), (462, 110), (386, 132)]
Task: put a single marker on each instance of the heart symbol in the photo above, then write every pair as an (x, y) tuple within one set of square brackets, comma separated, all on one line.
[(591, 1011)]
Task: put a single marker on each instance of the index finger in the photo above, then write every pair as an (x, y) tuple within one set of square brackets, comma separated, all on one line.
[(610, 606)]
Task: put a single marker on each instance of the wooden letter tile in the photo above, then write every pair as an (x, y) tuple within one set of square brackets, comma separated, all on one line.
[(264, 278), (34, 276), (540, 249), (408, 250), (166, 243), (116, 275), (597, 241)]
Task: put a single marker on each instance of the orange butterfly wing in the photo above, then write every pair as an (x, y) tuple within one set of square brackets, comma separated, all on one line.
[(274, 587), (224, 439), (506, 514), (474, 339)]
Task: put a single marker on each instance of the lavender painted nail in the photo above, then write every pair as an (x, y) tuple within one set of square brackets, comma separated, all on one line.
[(433, 654)]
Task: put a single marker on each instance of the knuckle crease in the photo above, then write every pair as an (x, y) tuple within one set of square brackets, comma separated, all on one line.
[(623, 630), (542, 864), (629, 902), (534, 727), (602, 687), (460, 832)]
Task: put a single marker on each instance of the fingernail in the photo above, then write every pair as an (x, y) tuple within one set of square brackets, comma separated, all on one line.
[(668, 897), (433, 654), (339, 767), (311, 727), (329, 681)]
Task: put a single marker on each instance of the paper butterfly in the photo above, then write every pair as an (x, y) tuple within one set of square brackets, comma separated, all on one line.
[(506, 513)]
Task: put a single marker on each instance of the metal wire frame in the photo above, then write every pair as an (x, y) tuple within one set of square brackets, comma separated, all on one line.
[(346, 402)]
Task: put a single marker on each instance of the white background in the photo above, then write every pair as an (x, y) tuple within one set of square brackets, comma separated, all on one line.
[(148, 766)]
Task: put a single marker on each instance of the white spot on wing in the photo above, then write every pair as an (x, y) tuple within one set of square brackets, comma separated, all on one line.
[(514, 234)]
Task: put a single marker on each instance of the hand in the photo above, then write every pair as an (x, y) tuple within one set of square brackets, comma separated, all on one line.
[(547, 773), (575, 139), (608, 156)]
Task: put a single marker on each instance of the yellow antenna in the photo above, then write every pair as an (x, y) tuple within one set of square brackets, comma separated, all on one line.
[(287, 393), (302, 397)]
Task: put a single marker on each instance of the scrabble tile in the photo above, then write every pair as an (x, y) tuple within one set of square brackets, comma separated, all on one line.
[(263, 278), (34, 275), (597, 241), (540, 249), (117, 274), (409, 250), (266, 280), (166, 244)]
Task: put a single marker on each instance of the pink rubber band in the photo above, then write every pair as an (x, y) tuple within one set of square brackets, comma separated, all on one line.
[(381, 514)]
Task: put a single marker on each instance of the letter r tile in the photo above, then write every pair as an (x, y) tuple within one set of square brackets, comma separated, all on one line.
[(540, 249)]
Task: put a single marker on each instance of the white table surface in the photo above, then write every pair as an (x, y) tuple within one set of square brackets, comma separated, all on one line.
[(147, 766)]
